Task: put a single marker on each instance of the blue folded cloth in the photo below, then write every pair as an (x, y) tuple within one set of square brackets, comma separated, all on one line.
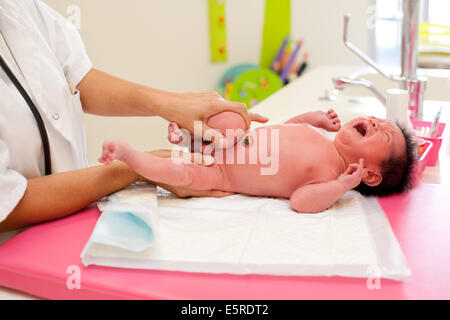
[(128, 221), (123, 230)]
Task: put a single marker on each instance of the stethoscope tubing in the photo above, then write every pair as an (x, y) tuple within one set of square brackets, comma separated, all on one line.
[(36, 114)]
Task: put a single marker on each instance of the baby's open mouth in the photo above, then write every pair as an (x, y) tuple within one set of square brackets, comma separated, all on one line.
[(361, 128)]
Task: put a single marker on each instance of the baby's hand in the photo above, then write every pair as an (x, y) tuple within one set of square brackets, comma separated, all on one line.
[(328, 120), (352, 177)]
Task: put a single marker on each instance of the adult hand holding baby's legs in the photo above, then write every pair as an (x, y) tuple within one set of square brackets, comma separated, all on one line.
[(186, 108), (183, 192), (197, 158), (229, 124), (219, 123)]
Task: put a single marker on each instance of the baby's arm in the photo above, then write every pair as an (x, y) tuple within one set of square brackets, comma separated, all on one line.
[(326, 120), (314, 198)]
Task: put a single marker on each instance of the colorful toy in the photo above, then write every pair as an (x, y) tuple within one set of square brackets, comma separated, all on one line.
[(277, 61), (304, 64), (253, 86), (226, 81), (291, 66)]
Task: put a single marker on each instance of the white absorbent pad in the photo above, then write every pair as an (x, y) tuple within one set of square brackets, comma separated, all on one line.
[(244, 235)]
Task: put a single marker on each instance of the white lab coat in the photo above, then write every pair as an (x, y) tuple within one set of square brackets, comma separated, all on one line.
[(51, 56)]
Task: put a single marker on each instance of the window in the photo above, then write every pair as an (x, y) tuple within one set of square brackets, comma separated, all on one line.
[(388, 24), (437, 12)]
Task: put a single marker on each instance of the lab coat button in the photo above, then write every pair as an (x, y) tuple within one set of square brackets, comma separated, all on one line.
[(56, 116)]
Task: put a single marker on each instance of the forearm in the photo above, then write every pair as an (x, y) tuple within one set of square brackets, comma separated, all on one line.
[(318, 197), (58, 195), (105, 95), (303, 118)]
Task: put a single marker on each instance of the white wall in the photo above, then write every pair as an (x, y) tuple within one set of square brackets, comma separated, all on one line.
[(165, 44)]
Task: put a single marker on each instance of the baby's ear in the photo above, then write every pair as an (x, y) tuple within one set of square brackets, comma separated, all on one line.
[(372, 177)]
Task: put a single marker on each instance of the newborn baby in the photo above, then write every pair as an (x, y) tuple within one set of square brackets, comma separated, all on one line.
[(370, 155)]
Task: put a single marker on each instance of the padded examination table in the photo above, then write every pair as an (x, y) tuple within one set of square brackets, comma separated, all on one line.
[(36, 261)]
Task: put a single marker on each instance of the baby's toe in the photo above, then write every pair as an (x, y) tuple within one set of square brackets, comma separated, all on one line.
[(111, 146), (170, 128), (173, 127)]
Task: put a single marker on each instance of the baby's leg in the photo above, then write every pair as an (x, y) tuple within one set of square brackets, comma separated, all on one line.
[(164, 170)]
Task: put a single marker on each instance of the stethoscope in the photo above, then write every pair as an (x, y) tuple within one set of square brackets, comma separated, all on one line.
[(36, 114)]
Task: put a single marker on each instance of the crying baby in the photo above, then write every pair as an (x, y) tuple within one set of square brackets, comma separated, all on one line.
[(294, 160)]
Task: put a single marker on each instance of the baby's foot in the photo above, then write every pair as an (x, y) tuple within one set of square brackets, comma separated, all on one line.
[(112, 150), (175, 135)]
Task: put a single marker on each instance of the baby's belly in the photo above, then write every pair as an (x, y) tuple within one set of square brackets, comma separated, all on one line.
[(264, 168), (247, 179)]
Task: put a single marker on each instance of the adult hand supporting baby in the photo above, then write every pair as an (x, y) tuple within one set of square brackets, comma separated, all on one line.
[(183, 192)]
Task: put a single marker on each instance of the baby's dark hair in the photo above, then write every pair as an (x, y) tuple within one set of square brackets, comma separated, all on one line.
[(397, 172)]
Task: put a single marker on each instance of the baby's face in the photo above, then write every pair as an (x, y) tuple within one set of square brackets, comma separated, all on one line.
[(372, 139)]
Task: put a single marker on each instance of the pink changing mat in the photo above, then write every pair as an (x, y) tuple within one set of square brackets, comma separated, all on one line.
[(40, 261)]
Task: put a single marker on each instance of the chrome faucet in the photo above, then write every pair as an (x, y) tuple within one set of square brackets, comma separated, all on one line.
[(408, 78), (341, 82)]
